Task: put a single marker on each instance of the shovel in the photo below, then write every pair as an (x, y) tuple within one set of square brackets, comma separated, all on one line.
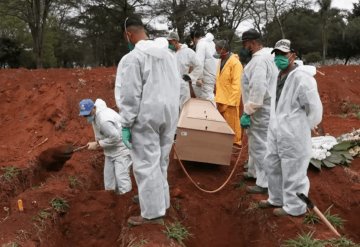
[(310, 205), (53, 159)]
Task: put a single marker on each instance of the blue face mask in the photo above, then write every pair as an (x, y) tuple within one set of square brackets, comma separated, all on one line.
[(90, 118)]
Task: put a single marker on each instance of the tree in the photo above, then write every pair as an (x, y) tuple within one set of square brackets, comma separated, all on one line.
[(325, 13), (356, 11), (101, 25), (9, 53), (35, 14), (346, 42), (301, 27)]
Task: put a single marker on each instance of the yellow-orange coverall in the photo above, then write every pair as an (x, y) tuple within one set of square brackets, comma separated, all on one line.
[(228, 93)]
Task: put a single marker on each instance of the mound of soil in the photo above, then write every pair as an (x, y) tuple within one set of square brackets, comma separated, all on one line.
[(39, 113)]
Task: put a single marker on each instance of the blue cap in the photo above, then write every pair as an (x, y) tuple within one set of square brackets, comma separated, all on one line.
[(86, 105)]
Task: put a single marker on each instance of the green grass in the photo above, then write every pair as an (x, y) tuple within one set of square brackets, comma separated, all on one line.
[(139, 243), (304, 240), (60, 205), (73, 182), (341, 242), (307, 240), (311, 218), (240, 184), (10, 172), (177, 231), (177, 205), (252, 207), (11, 244), (334, 219)]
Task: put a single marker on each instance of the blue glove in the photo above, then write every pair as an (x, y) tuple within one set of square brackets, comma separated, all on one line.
[(126, 137), (245, 121)]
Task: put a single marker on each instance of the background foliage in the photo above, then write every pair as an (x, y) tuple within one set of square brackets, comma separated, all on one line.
[(69, 33)]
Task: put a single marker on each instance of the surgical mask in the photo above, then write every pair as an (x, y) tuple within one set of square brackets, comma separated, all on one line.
[(90, 118), (131, 46), (217, 55), (172, 47), (281, 61), (245, 53)]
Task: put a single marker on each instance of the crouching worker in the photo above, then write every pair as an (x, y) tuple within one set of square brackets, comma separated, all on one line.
[(295, 111), (107, 129)]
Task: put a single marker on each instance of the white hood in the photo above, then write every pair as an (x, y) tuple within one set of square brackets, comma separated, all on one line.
[(100, 105), (153, 47), (311, 70), (208, 37), (183, 46)]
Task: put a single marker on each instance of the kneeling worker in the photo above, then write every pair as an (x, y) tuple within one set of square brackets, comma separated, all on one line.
[(107, 129)]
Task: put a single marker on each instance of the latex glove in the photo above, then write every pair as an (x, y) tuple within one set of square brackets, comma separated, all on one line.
[(186, 77), (245, 121), (92, 145), (126, 137), (199, 83)]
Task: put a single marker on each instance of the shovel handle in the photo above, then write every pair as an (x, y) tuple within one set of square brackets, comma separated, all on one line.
[(80, 148), (327, 223)]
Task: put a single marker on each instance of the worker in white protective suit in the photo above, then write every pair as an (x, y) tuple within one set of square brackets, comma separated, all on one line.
[(258, 87), (296, 110), (149, 102), (205, 50), (107, 129), (188, 65)]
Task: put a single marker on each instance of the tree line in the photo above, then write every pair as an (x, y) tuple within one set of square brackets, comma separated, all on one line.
[(68, 33)]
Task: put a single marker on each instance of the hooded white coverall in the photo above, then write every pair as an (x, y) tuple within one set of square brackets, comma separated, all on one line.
[(149, 104), (298, 110), (205, 50), (107, 129), (258, 87), (186, 59)]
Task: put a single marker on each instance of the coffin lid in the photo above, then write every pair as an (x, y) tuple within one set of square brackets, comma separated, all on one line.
[(202, 115)]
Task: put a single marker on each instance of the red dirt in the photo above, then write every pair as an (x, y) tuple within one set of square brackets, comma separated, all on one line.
[(43, 104)]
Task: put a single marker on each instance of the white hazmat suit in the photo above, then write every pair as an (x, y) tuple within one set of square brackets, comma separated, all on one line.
[(107, 129), (258, 88), (149, 104), (186, 59), (205, 50), (298, 110)]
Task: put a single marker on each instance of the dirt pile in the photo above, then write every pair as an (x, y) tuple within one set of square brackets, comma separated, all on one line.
[(42, 105)]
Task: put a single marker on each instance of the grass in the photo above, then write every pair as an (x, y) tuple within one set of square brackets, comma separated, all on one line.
[(252, 206), (177, 205), (240, 184), (304, 240), (177, 231), (40, 220), (334, 219), (341, 242), (10, 172), (307, 240), (73, 182), (311, 218), (11, 244), (60, 205), (22, 235), (139, 243)]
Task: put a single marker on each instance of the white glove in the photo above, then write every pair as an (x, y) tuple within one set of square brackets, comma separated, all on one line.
[(199, 83), (92, 145)]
